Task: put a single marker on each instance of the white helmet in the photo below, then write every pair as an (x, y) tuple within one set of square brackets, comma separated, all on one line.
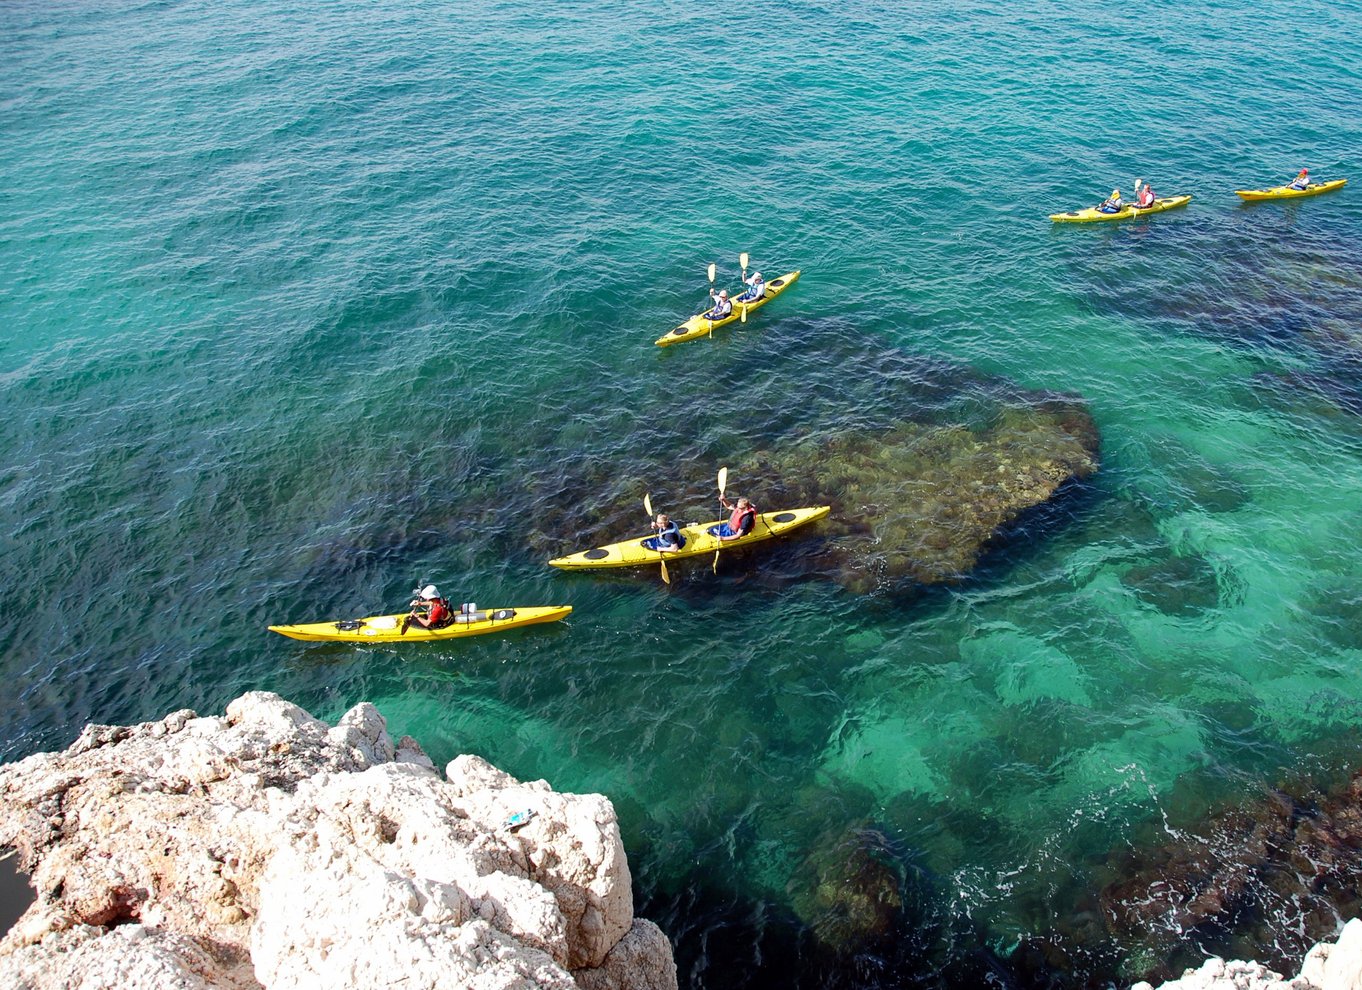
[(430, 591)]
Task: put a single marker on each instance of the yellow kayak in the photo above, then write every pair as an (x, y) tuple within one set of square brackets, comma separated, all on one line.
[(698, 326), (696, 540), (388, 628), (1286, 192), (1093, 213)]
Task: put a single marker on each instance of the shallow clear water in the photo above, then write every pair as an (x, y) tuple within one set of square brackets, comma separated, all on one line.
[(304, 307)]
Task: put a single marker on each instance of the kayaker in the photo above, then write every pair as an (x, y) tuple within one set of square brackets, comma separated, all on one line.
[(1144, 197), (723, 306), (428, 610), (1301, 180), (1112, 204), (668, 536), (740, 522), (756, 289)]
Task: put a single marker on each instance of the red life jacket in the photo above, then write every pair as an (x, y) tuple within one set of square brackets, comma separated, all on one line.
[(439, 612), (735, 520)]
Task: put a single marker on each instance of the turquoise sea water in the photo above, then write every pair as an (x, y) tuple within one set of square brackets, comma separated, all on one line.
[(301, 306)]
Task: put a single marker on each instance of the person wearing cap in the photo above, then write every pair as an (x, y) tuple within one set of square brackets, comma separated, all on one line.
[(1112, 204), (1302, 179), (756, 288), (1144, 198), (723, 306), (428, 610), (740, 522)]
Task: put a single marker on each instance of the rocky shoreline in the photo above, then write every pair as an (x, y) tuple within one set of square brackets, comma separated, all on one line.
[(264, 848), (1328, 966)]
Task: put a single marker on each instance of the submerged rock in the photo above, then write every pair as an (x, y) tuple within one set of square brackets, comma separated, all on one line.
[(846, 891), (1327, 966), (1277, 873), (1175, 585), (921, 502), (266, 849), (923, 462)]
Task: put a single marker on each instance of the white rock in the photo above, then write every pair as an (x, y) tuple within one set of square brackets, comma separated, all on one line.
[(269, 849)]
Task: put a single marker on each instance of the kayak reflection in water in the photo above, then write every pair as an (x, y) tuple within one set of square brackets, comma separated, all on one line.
[(1112, 204), (1301, 180), (668, 536), (756, 289), (723, 306), (428, 610), (740, 522)]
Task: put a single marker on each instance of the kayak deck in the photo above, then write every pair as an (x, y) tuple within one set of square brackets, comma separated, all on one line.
[(1286, 192), (697, 541), (698, 326), (388, 628), (1092, 213)]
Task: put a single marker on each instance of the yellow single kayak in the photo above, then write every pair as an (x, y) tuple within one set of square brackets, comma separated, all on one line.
[(698, 326), (1286, 192), (696, 539), (1092, 213), (388, 628)]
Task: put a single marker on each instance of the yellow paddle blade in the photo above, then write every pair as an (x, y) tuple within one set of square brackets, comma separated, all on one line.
[(648, 504), (742, 259), (666, 578), (743, 318), (723, 483), (711, 271)]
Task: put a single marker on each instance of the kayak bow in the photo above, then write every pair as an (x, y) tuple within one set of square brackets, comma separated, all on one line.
[(388, 628), (632, 552), (698, 326)]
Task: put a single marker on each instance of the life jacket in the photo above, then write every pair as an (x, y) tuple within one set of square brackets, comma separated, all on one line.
[(735, 520), (439, 611), (1146, 197)]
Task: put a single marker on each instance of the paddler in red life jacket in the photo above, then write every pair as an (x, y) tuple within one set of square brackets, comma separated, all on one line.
[(1302, 179), (428, 610), (740, 522), (723, 306), (1144, 198)]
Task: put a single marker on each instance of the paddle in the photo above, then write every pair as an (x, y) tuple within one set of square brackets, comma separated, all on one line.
[(723, 483), (742, 258), (648, 507), (710, 330)]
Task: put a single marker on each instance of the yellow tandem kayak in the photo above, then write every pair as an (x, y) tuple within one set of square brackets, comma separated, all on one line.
[(388, 628), (696, 541), (1286, 192), (698, 326), (1092, 213)]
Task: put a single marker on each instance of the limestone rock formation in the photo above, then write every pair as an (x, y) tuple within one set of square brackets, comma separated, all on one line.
[(266, 850), (1328, 966)]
